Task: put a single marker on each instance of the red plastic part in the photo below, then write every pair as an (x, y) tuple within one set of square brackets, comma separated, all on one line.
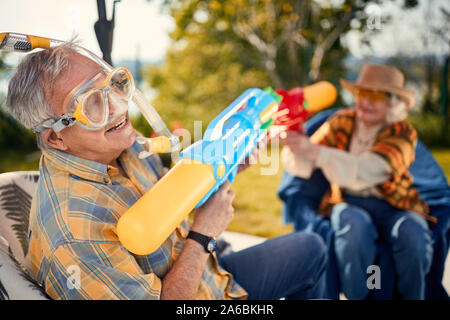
[(291, 112)]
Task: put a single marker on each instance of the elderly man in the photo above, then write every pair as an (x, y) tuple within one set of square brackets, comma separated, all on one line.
[(90, 175)]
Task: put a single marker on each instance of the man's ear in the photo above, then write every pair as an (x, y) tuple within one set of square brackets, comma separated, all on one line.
[(54, 140)]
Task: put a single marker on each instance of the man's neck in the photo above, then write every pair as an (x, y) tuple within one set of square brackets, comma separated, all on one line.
[(116, 163)]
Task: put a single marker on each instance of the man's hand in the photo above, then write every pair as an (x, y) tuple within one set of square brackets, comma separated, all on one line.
[(252, 157), (213, 217), (300, 144)]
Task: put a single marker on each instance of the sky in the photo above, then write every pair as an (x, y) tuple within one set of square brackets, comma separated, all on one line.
[(140, 26), (142, 29), (405, 34)]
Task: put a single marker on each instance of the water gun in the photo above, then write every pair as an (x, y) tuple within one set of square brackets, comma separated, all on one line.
[(202, 168), (299, 104)]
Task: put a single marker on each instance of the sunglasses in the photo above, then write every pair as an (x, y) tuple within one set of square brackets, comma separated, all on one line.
[(373, 95)]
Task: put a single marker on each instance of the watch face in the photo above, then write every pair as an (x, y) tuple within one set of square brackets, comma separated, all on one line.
[(211, 245)]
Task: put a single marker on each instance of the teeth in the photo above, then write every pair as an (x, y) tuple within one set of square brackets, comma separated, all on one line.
[(120, 124)]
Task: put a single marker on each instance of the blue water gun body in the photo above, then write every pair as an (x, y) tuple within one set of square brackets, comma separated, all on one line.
[(201, 170), (233, 134)]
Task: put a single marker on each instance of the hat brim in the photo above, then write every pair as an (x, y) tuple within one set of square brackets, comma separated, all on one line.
[(404, 93)]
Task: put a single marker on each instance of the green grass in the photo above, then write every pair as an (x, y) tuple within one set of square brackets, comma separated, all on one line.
[(18, 160), (258, 212), (442, 156), (257, 204)]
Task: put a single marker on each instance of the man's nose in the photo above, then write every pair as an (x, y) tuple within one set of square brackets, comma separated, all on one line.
[(116, 105)]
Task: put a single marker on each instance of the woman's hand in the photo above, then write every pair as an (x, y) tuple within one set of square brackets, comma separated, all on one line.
[(300, 144)]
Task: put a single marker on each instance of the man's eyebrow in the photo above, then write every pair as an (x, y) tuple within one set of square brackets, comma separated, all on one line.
[(85, 87), (92, 83)]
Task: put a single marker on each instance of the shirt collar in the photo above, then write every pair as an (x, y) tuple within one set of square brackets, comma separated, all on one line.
[(83, 168)]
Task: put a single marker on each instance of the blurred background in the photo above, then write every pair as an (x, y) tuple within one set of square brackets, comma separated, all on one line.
[(192, 58)]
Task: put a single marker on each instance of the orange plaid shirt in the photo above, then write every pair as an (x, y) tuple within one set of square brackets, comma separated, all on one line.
[(74, 249)]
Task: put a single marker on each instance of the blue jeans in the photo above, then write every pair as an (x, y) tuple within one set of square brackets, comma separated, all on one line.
[(359, 225), (292, 267)]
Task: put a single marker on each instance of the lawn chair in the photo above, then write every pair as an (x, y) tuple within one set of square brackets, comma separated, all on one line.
[(301, 199), (16, 192)]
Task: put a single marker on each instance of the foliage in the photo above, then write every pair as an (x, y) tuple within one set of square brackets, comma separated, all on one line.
[(13, 135), (430, 128), (198, 88), (221, 48)]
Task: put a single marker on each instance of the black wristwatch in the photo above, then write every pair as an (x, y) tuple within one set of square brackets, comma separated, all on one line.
[(208, 243)]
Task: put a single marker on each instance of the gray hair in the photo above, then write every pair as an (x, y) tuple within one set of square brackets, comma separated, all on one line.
[(398, 110), (32, 85)]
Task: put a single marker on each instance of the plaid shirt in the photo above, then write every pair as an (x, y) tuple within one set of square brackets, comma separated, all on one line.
[(74, 249)]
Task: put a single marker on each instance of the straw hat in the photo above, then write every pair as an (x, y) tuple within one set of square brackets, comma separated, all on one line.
[(381, 78)]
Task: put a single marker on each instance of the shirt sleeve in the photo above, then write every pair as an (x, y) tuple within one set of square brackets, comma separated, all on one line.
[(100, 271), (295, 164), (353, 172)]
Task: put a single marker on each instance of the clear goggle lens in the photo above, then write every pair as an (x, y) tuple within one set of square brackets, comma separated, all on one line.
[(117, 89), (94, 109)]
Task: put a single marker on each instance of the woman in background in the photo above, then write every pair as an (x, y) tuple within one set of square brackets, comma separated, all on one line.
[(365, 153)]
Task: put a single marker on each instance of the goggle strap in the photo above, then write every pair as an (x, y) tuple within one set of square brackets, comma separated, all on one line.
[(66, 120), (43, 125)]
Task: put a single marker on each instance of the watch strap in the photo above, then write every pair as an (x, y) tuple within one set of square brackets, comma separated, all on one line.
[(202, 239)]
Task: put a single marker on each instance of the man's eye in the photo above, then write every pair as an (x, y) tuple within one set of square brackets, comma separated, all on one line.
[(120, 84)]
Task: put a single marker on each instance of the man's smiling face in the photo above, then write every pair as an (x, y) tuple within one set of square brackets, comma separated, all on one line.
[(103, 145)]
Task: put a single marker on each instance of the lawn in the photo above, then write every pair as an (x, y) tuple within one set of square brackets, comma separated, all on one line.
[(258, 212), (257, 204), (442, 156)]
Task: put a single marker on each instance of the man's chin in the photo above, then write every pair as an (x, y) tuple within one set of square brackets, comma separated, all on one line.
[(129, 138), (122, 141)]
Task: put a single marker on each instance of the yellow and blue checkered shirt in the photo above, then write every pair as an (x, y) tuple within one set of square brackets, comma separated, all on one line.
[(74, 249)]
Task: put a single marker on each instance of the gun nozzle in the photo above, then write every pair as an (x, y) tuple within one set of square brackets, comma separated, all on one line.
[(160, 144)]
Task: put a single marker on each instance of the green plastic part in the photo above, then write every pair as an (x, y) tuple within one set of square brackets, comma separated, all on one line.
[(275, 95), (267, 124)]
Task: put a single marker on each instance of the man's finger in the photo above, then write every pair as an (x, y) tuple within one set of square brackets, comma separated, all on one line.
[(225, 187)]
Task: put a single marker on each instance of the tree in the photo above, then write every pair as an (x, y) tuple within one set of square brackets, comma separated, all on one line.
[(196, 84), (443, 32), (223, 47), (12, 134)]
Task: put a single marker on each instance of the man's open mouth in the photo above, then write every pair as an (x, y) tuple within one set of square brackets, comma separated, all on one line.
[(120, 123)]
